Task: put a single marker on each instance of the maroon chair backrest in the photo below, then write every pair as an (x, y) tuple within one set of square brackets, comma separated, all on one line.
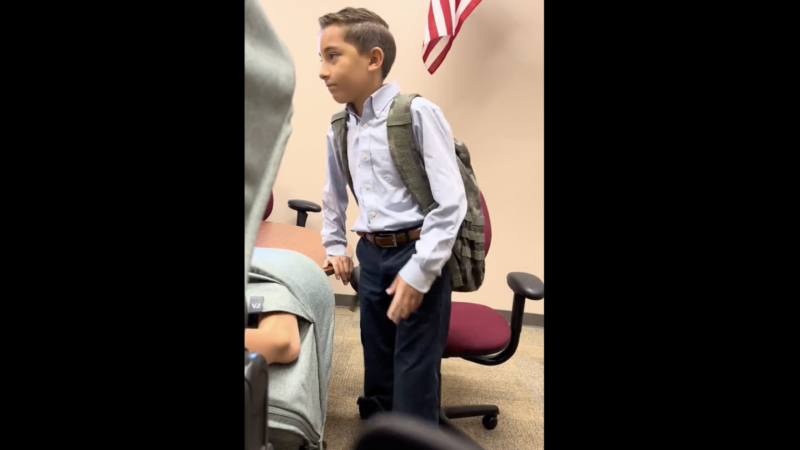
[(268, 211), (487, 225)]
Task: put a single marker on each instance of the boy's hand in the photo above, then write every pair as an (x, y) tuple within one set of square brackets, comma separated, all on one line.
[(342, 267), (406, 300)]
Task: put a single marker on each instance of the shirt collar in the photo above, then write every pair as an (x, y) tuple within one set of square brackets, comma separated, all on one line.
[(379, 100)]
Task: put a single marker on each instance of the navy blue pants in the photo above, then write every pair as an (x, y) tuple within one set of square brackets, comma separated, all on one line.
[(401, 362)]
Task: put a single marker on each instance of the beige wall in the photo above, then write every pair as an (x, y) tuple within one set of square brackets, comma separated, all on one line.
[(491, 89)]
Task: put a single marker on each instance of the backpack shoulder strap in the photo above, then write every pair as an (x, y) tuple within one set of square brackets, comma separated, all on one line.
[(339, 115), (406, 155), (339, 125)]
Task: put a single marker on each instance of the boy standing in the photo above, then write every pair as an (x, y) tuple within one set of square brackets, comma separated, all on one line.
[(405, 288)]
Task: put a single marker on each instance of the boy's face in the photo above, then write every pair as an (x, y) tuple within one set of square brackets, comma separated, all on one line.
[(343, 70)]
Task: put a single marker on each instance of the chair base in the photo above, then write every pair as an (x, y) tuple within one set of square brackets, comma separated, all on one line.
[(446, 414), (489, 413)]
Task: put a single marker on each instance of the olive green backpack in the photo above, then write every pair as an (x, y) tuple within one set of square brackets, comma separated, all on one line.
[(466, 264)]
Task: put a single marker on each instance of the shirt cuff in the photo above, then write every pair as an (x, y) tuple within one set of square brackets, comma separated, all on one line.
[(337, 250), (415, 277)]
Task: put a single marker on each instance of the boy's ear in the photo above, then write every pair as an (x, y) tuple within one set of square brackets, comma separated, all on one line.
[(375, 59)]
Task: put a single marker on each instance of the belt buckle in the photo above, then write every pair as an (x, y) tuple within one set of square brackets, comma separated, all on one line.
[(394, 240)]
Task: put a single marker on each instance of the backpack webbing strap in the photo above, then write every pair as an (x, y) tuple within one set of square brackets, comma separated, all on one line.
[(406, 156), (339, 123)]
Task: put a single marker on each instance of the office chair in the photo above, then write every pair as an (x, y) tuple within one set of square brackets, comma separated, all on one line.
[(481, 335), (303, 207)]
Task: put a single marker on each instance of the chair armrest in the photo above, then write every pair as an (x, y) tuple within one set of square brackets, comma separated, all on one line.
[(526, 285), (256, 401), (304, 206), (355, 278)]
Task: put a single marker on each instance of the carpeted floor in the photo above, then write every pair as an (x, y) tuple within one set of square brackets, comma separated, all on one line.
[(517, 387)]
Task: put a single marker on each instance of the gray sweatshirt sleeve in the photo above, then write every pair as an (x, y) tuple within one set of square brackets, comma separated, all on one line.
[(269, 81)]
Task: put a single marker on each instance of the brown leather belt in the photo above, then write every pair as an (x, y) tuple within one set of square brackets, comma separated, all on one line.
[(392, 239)]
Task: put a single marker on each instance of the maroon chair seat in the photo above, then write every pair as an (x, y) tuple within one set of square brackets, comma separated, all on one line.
[(475, 330)]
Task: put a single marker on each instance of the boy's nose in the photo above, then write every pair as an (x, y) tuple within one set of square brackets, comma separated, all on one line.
[(324, 74)]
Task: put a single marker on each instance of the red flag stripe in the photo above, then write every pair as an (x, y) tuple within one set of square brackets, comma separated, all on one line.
[(440, 33), (431, 35), (440, 58), (464, 14)]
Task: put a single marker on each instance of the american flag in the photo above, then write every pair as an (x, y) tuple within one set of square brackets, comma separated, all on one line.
[(441, 32)]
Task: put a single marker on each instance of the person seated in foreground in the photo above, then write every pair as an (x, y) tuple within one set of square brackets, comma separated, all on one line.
[(292, 305)]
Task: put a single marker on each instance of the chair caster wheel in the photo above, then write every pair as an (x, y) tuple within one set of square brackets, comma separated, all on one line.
[(490, 422)]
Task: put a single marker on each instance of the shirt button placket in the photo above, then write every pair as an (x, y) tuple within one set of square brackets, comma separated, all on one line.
[(366, 173)]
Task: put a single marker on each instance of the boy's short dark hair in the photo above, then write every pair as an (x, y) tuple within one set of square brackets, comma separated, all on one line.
[(364, 30)]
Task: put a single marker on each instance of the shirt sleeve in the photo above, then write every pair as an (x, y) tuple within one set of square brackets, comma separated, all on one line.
[(334, 202)]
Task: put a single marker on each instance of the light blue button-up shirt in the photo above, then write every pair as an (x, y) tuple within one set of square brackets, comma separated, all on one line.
[(385, 203)]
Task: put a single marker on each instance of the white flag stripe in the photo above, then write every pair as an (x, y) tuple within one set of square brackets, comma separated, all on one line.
[(438, 15), (453, 15)]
